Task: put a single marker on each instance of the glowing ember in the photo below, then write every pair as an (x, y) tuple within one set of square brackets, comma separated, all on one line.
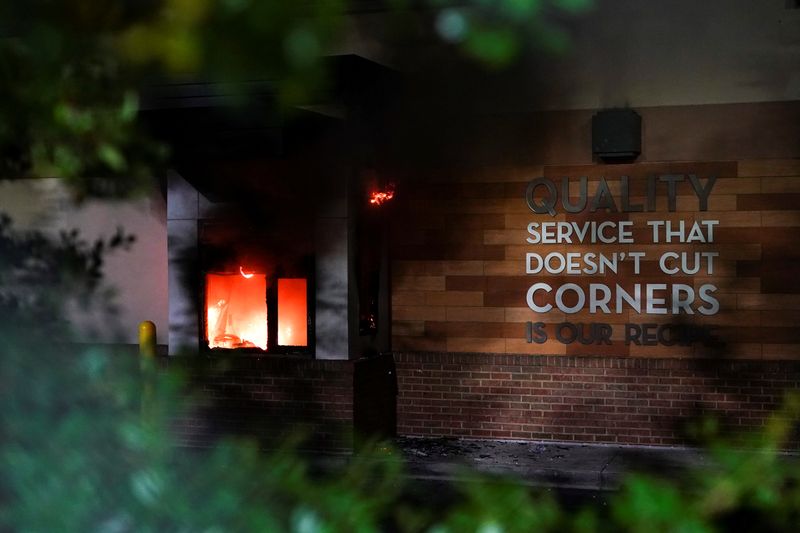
[(379, 197), (247, 275)]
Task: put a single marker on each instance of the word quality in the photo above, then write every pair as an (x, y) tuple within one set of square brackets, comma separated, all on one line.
[(542, 194)]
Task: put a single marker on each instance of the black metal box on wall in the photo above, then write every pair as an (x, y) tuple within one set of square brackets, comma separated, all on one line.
[(616, 134)]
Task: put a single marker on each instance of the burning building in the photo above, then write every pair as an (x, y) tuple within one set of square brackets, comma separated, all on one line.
[(423, 253)]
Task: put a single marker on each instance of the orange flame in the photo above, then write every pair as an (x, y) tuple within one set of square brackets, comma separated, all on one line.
[(236, 310), (247, 275), (379, 197)]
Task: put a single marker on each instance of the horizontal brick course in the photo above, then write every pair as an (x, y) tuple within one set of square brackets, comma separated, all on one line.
[(593, 399), (269, 398)]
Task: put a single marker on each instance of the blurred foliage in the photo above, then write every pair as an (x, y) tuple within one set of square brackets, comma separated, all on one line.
[(748, 485), (78, 455), (494, 506), (68, 107), (494, 32), (74, 71)]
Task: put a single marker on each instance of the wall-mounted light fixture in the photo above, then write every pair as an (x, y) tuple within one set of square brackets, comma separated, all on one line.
[(616, 135)]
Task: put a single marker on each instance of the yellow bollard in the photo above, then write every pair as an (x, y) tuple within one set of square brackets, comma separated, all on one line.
[(147, 362), (147, 339)]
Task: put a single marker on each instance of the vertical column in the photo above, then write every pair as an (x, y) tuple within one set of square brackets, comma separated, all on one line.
[(182, 213), (332, 272)]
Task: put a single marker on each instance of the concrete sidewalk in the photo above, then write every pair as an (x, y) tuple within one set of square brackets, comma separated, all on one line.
[(589, 467), (553, 465)]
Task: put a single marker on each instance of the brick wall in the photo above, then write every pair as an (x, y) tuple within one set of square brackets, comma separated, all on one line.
[(268, 398), (589, 399), (459, 282)]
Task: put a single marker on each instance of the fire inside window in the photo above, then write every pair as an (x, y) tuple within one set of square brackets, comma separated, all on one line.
[(237, 313), (292, 312)]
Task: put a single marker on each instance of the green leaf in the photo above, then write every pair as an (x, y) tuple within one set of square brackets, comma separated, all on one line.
[(129, 107), (74, 119), (66, 160), (494, 46), (302, 47), (111, 156), (520, 8)]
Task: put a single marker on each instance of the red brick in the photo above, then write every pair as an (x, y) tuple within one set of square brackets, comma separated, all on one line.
[(596, 400)]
